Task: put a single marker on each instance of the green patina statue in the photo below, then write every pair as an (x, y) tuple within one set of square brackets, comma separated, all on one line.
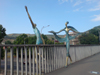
[(39, 40), (66, 39)]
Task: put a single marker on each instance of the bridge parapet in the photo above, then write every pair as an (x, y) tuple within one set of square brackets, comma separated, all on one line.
[(41, 59)]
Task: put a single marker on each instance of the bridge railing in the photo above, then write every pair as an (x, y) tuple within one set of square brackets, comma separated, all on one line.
[(40, 59), (32, 59)]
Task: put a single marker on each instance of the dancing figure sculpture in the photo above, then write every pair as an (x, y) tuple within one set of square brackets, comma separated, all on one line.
[(39, 40), (66, 39)]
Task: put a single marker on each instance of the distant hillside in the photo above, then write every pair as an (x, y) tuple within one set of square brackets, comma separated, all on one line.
[(97, 28), (12, 37)]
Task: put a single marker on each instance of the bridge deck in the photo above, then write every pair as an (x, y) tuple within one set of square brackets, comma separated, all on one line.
[(83, 67)]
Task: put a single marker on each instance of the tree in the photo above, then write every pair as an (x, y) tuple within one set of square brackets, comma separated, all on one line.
[(31, 40), (8, 42), (88, 39), (2, 33), (21, 39), (94, 31)]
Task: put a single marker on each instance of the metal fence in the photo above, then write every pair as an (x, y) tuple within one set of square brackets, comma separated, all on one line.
[(31, 59)]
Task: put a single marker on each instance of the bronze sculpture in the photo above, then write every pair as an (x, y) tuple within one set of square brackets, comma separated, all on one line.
[(66, 39)]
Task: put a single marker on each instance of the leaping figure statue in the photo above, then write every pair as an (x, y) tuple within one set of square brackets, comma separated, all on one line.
[(66, 39), (39, 40)]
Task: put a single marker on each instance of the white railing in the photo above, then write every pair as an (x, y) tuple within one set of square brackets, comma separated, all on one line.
[(40, 59)]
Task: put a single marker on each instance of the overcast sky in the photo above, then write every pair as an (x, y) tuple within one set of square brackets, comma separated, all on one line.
[(81, 14)]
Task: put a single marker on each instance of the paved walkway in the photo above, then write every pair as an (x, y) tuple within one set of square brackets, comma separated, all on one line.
[(87, 66)]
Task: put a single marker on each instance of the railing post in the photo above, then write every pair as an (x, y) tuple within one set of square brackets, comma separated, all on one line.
[(22, 61), (75, 53), (11, 62), (58, 57), (40, 60), (54, 58), (36, 60), (45, 60), (26, 60), (63, 57), (50, 61), (33, 60), (5, 61), (30, 61), (17, 60)]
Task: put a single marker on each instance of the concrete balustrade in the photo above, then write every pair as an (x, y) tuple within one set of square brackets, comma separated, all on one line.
[(42, 58), (82, 51)]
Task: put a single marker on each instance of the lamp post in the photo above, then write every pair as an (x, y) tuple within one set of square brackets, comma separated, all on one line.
[(44, 27)]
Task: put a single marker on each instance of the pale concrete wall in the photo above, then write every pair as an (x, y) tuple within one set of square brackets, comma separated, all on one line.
[(80, 52)]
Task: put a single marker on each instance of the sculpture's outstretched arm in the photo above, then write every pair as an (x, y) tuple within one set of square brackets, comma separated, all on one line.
[(60, 30), (56, 32), (30, 18), (57, 37)]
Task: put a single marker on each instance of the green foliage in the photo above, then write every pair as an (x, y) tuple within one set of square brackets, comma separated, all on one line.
[(8, 42), (59, 43), (92, 37), (21, 39), (94, 31), (47, 41), (44, 37), (32, 40), (88, 39), (2, 33)]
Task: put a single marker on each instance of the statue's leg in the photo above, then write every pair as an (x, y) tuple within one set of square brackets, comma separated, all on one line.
[(68, 48), (36, 55), (66, 61), (68, 55)]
